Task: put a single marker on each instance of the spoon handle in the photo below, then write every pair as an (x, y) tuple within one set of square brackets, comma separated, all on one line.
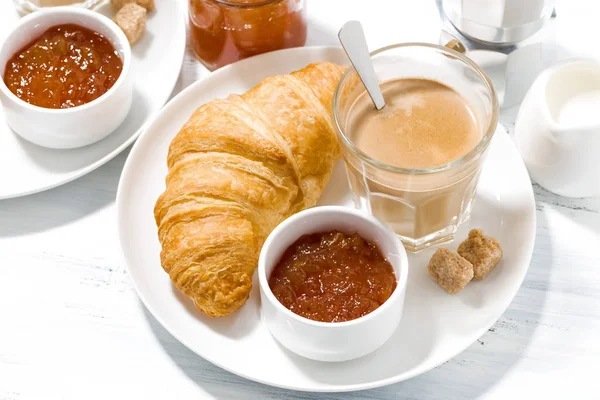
[(353, 41)]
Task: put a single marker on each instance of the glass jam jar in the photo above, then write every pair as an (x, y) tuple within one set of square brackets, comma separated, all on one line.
[(225, 31)]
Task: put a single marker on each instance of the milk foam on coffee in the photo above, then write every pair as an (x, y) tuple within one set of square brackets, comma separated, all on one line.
[(424, 124)]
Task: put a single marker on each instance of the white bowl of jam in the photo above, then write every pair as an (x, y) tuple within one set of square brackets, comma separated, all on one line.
[(65, 77), (332, 283)]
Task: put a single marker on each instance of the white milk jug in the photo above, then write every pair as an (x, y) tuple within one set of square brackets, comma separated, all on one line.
[(558, 129)]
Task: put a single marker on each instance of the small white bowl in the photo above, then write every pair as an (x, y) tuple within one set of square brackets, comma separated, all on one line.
[(332, 341), (77, 126)]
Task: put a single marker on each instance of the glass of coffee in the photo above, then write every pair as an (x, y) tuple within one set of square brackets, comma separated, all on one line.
[(415, 164)]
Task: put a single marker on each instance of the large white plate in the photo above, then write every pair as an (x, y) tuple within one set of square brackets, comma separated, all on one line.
[(27, 168), (435, 326)]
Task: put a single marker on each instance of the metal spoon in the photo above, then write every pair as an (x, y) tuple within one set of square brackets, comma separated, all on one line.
[(354, 43)]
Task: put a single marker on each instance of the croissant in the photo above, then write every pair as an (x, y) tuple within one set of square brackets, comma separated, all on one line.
[(237, 168)]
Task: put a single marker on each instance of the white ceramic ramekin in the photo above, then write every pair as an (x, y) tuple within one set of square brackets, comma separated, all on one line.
[(332, 341), (77, 126)]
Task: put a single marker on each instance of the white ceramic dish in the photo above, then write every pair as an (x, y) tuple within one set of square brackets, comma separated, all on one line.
[(341, 341), (155, 66), (435, 326), (77, 126)]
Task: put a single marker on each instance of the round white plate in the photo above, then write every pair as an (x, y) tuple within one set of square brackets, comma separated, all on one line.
[(435, 327), (27, 168)]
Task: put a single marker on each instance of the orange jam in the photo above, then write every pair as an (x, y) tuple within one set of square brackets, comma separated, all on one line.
[(225, 31), (332, 277), (67, 66)]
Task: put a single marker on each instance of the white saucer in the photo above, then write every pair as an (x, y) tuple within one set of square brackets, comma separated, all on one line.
[(435, 327), (26, 168)]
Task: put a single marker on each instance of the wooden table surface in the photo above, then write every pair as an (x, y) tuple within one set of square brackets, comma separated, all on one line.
[(72, 327)]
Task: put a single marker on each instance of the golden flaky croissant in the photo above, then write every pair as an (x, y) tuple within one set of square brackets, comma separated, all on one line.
[(237, 168)]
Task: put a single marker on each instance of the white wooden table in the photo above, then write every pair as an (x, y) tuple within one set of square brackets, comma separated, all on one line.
[(72, 327)]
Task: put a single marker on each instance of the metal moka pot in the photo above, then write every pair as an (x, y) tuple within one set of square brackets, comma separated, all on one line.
[(498, 21)]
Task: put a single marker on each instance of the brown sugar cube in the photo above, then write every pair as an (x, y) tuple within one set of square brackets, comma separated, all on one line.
[(118, 4), (449, 270), (482, 251), (132, 20)]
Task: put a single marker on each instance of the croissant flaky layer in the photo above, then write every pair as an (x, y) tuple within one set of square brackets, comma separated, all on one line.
[(237, 168)]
